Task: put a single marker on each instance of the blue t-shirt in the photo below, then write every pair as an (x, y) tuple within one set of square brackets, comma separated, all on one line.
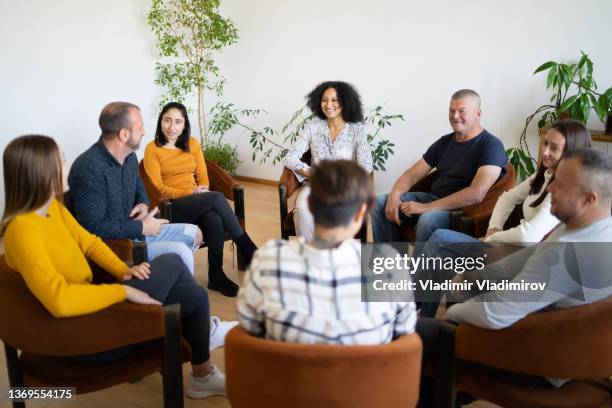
[(457, 163)]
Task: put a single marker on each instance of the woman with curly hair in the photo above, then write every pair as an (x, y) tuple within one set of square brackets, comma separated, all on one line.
[(336, 132)]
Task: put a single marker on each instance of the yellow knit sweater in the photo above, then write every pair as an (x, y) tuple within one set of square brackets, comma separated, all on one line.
[(173, 172), (49, 252)]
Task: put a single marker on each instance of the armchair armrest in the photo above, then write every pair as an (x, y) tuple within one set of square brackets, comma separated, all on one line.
[(220, 180), (37, 331), (545, 343), (121, 247)]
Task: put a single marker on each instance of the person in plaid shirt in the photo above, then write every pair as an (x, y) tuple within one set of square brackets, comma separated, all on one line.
[(310, 292)]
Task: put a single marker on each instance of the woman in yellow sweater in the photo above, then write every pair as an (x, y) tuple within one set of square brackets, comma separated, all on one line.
[(48, 247), (175, 165)]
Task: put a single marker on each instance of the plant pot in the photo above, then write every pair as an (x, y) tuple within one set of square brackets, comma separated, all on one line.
[(609, 123)]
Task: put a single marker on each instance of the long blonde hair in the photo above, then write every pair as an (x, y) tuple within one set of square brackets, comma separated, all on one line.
[(32, 174)]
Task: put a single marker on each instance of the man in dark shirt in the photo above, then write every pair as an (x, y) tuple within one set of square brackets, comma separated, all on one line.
[(107, 196), (468, 162)]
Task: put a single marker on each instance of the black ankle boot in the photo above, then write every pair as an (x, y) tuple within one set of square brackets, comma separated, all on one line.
[(247, 247), (217, 280)]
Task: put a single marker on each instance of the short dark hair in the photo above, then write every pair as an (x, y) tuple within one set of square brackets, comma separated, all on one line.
[(338, 189), (349, 98), (182, 142), (114, 117), (598, 166)]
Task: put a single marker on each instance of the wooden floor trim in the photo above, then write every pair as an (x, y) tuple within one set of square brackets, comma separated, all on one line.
[(265, 182)]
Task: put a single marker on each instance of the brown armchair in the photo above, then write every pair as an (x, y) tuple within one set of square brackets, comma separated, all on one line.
[(38, 345), (471, 220), (267, 373), (565, 343), (287, 186), (220, 181)]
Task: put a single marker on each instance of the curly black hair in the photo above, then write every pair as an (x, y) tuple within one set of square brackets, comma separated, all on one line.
[(348, 97), (182, 142)]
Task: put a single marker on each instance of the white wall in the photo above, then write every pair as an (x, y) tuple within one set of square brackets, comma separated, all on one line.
[(61, 61)]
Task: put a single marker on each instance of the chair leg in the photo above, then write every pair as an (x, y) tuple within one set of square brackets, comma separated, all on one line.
[(240, 258), (172, 372), (445, 388), (14, 371)]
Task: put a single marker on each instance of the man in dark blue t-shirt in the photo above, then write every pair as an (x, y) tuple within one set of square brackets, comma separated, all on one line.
[(468, 162)]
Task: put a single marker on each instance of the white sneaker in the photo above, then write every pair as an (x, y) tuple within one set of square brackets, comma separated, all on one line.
[(202, 387), (218, 331)]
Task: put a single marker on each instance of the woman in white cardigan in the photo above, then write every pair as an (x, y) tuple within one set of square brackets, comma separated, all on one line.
[(336, 132), (532, 194)]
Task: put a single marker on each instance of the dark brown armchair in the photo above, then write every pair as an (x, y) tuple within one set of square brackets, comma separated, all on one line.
[(38, 345), (287, 186), (565, 343), (220, 181), (471, 220)]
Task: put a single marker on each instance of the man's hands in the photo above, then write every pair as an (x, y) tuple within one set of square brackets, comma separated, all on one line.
[(138, 296), (414, 208), (141, 271), (392, 207), (151, 226), (139, 212)]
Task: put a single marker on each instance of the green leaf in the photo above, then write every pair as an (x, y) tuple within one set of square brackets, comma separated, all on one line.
[(545, 66), (568, 102)]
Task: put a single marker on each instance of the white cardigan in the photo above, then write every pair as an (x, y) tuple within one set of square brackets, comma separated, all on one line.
[(536, 222)]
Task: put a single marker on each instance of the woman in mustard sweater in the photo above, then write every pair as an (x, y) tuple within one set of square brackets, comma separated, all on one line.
[(48, 247), (175, 165)]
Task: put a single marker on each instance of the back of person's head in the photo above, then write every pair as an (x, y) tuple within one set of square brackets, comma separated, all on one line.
[(32, 175), (467, 93), (182, 142), (114, 117), (595, 173), (576, 136), (339, 188), (350, 101)]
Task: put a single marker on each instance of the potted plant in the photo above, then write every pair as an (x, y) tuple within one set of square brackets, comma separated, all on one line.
[(603, 108), (574, 96), (189, 33), (265, 143)]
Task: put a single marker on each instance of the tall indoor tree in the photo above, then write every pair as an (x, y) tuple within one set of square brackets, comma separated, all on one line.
[(189, 34)]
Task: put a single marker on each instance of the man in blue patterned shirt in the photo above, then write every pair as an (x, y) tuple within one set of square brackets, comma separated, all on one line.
[(107, 196)]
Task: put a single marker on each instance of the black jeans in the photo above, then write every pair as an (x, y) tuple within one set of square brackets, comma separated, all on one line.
[(170, 282), (211, 212), (429, 330)]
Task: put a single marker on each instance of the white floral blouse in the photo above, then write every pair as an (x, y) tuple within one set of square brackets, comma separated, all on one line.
[(350, 144)]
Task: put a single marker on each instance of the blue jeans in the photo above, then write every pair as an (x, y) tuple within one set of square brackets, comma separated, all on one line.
[(384, 230), (440, 245), (174, 239)]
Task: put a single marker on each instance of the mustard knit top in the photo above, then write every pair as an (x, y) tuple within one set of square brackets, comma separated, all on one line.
[(49, 252), (174, 172)]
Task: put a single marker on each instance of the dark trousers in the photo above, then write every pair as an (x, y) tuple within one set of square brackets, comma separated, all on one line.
[(211, 212), (170, 282), (429, 330)]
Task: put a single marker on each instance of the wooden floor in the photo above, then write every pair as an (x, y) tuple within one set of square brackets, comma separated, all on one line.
[(262, 219)]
